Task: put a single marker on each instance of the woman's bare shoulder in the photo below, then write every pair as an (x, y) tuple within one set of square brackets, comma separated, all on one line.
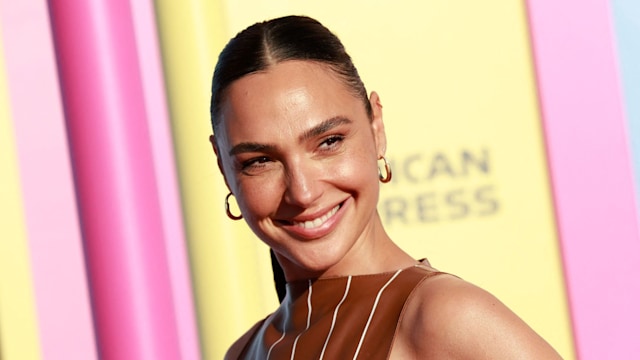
[(449, 318), (239, 345)]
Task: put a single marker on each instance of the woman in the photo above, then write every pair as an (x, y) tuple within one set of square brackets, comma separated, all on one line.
[(301, 145)]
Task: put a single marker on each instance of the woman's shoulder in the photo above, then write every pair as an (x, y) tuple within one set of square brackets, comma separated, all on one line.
[(235, 351), (447, 317)]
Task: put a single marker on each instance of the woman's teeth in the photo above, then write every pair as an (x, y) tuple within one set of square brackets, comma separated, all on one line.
[(318, 221)]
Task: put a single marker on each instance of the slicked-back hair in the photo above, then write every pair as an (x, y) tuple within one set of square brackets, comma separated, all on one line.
[(268, 43)]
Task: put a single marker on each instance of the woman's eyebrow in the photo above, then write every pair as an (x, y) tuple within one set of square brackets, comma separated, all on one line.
[(250, 147), (324, 126), (315, 131)]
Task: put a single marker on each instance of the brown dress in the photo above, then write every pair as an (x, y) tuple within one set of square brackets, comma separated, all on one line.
[(347, 317)]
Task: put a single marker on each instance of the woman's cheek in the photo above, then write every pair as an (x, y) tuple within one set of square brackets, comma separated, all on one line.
[(260, 195), (356, 169)]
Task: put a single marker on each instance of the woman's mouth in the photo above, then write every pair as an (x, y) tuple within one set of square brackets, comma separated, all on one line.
[(306, 228), (311, 224)]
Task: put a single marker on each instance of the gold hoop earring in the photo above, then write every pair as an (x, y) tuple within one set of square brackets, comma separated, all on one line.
[(387, 168), (228, 210)]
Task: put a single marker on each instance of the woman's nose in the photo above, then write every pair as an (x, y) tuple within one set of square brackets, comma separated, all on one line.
[(303, 185)]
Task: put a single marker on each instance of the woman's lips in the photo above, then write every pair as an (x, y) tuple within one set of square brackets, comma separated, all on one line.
[(314, 228), (310, 224)]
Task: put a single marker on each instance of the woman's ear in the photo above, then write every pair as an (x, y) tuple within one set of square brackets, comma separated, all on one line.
[(216, 151), (377, 124)]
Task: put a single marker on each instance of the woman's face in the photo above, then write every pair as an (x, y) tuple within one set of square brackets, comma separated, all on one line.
[(299, 152)]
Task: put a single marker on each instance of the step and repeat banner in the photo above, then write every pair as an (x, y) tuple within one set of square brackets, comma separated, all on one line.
[(512, 133)]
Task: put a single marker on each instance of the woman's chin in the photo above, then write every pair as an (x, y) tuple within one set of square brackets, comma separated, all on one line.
[(311, 267)]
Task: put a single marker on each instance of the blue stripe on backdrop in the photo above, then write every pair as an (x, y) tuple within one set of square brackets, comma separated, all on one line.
[(626, 16)]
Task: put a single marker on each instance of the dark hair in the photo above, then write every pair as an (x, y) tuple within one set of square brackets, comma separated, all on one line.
[(270, 42)]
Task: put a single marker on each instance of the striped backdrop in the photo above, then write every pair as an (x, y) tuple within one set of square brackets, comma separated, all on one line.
[(513, 132)]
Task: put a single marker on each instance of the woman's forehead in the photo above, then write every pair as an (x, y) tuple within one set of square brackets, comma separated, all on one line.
[(286, 94), (287, 74)]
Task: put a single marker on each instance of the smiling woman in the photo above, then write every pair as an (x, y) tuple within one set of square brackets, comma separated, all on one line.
[(299, 143)]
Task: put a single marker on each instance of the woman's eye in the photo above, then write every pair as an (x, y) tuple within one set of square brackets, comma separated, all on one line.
[(254, 163), (332, 141)]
